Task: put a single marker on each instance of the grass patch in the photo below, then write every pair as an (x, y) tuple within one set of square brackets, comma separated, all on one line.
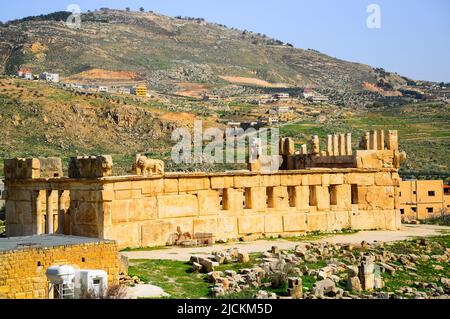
[(175, 277)]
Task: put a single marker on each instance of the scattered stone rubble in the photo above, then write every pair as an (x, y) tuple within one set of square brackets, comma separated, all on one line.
[(359, 272), (126, 280)]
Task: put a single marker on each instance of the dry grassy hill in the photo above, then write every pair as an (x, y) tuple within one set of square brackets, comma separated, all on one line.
[(166, 50)]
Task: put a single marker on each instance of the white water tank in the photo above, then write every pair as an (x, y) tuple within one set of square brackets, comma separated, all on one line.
[(58, 275)]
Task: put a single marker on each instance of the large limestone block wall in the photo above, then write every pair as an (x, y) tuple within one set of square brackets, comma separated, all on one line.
[(22, 273), (147, 212)]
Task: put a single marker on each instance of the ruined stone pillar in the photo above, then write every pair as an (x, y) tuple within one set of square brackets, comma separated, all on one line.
[(392, 140), (330, 145), (365, 141), (37, 212), (335, 145), (373, 140), (342, 145), (289, 146), (315, 146), (303, 149), (348, 144), (49, 212), (282, 146), (380, 141), (61, 211)]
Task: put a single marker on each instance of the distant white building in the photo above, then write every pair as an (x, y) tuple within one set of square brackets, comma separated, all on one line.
[(50, 77), (103, 89)]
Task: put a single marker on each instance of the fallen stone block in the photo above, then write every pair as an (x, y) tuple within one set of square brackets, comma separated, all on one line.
[(243, 257), (208, 264), (323, 287), (196, 267)]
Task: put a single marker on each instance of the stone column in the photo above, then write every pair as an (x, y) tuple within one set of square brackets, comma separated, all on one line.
[(37, 213), (315, 148), (49, 212), (392, 140), (348, 144), (366, 139), (342, 145), (335, 145), (330, 145), (381, 140), (303, 149), (289, 146), (61, 211), (373, 140)]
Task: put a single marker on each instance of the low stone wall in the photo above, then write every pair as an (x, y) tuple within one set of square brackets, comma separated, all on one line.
[(23, 270), (146, 211)]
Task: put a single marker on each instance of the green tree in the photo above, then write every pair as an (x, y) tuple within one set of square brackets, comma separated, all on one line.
[(141, 9)]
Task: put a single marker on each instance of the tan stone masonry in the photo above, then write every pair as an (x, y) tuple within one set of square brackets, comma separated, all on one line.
[(145, 211), (320, 191)]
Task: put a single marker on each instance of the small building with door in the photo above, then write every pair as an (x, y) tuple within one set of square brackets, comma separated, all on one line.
[(25, 260)]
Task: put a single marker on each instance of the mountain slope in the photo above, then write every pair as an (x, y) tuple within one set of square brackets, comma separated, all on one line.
[(167, 50)]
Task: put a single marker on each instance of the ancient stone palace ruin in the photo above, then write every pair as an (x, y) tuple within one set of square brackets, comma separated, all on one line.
[(314, 190)]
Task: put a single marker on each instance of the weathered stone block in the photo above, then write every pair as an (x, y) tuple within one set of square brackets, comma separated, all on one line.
[(186, 184), (383, 179), (144, 208), (317, 221), (302, 197), (28, 168), (208, 202), (151, 187), (170, 185), (291, 180), (227, 226), (343, 196), (90, 166), (273, 224), (205, 225), (119, 211), (156, 232), (366, 179), (246, 181), (271, 180), (170, 206), (294, 222), (86, 213), (336, 179), (314, 179), (280, 198), (232, 200), (251, 224), (255, 198), (218, 182)]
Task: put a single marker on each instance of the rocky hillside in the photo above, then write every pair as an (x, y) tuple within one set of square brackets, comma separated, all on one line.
[(165, 51), (40, 120)]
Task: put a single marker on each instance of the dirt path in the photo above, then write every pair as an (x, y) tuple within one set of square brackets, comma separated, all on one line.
[(183, 254)]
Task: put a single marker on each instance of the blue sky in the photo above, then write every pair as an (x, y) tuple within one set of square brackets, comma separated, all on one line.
[(413, 39)]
